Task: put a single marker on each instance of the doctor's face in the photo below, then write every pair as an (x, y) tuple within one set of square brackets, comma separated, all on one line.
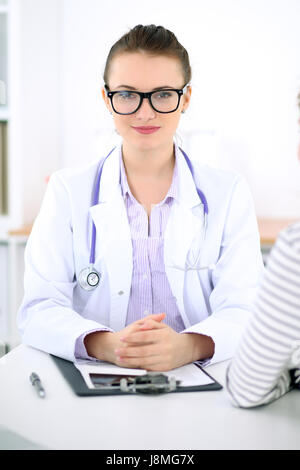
[(146, 129)]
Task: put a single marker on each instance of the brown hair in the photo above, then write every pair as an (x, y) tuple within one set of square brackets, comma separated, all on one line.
[(155, 40)]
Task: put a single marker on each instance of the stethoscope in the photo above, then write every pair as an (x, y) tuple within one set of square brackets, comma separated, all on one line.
[(89, 278)]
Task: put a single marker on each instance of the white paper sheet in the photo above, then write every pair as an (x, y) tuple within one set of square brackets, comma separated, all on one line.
[(189, 375)]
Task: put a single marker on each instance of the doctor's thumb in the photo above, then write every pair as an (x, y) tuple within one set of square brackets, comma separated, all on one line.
[(157, 316)]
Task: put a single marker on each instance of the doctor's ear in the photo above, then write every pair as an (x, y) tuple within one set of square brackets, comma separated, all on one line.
[(106, 100), (186, 98)]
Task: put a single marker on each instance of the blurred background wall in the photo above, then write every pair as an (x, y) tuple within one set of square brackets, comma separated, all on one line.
[(246, 75)]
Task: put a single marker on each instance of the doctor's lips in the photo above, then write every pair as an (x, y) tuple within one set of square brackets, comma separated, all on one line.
[(146, 129)]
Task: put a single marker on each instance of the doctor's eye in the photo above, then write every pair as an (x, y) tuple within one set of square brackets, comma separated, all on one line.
[(161, 95), (126, 96)]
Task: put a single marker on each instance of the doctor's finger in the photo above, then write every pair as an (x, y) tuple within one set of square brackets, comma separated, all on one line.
[(137, 351), (149, 362), (145, 336), (132, 327), (150, 324), (157, 317)]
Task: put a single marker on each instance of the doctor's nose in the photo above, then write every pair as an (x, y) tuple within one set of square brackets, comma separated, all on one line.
[(146, 111)]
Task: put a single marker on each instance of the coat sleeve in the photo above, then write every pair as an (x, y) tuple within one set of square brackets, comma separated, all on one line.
[(46, 318), (236, 275)]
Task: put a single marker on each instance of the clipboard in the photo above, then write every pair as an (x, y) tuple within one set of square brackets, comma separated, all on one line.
[(80, 388)]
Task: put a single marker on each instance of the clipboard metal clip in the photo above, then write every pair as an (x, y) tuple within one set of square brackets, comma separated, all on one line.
[(151, 383)]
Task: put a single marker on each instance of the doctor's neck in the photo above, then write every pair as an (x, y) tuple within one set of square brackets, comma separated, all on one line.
[(153, 163)]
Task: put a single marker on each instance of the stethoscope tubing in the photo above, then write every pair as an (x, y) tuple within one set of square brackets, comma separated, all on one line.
[(200, 193), (95, 200)]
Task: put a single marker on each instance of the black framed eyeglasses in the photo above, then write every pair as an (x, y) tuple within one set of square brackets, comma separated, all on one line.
[(162, 101)]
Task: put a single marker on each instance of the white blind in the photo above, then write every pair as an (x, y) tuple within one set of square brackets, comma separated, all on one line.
[(3, 169)]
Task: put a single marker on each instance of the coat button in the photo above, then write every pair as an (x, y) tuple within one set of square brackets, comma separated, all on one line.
[(120, 292)]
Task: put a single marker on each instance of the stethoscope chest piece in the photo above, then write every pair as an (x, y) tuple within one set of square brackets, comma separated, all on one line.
[(89, 278)]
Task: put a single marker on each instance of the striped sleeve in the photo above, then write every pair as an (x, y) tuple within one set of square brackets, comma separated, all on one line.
[(270, 345)]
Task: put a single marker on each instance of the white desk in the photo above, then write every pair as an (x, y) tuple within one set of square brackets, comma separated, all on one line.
[(202, 420)]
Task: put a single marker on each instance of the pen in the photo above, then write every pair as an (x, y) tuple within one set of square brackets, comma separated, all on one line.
[(36, 382)]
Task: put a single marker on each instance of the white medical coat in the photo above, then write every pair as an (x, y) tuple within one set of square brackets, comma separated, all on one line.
[(55, 310)]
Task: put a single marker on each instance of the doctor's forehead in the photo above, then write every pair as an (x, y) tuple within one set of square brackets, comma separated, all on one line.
[(145, 72)]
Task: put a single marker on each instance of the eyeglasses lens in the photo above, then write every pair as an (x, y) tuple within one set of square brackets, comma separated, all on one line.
[(126, 102)]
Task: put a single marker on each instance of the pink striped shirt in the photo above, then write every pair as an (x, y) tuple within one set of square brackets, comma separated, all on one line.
[(150, 290)]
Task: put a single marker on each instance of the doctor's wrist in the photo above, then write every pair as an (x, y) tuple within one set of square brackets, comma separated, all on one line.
[(98, 343), (202, 346)]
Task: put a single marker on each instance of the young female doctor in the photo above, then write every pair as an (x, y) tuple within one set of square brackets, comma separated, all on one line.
[(146, 258)]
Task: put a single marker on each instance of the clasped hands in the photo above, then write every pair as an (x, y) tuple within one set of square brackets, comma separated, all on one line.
[(149, 344)]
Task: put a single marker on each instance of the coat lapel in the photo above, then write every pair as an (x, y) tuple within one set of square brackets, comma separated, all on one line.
[(113, 240), (184, 229)]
